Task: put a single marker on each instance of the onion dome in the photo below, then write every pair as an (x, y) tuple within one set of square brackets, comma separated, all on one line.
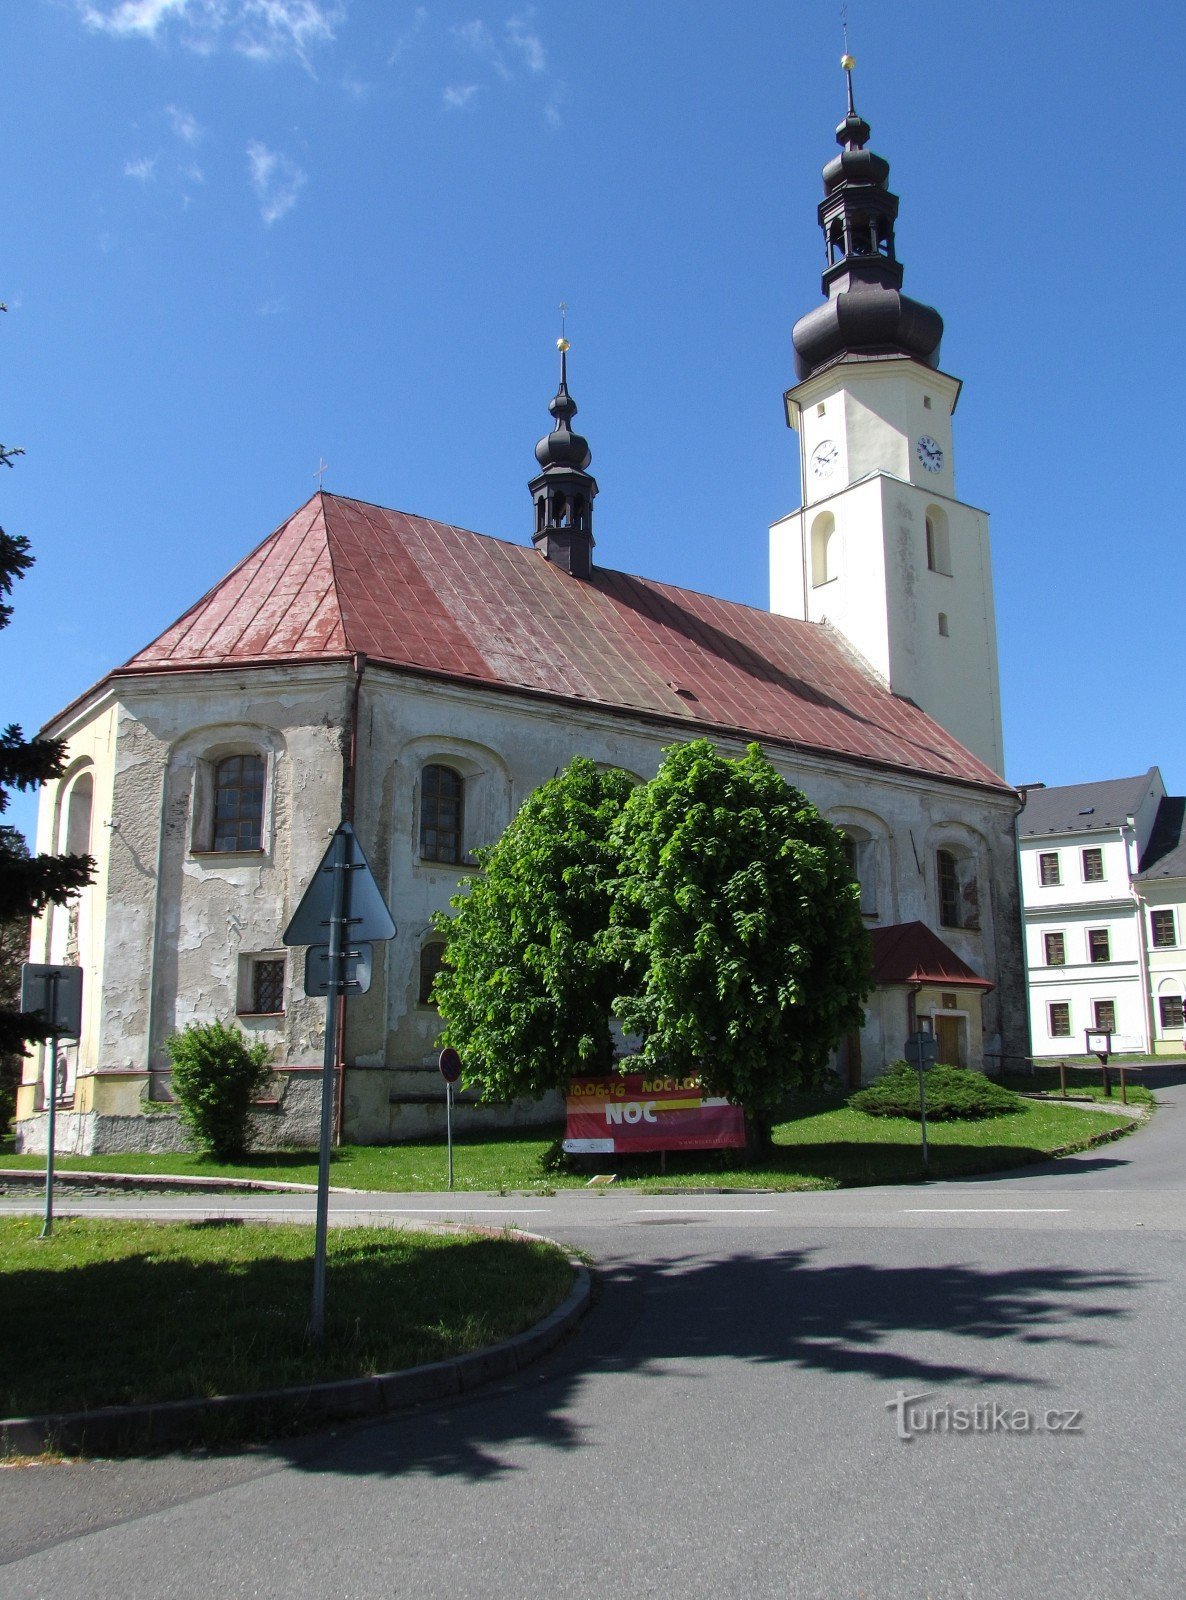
[(563, 491), (865, 313)]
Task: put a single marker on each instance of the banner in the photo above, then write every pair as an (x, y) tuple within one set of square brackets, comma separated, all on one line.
[(648, 1111)]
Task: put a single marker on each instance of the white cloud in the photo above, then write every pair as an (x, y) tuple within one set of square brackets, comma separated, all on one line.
[(405, 40), (527, 42), (476, 36), (277, 181), (458, 96), (142, 168), (184, 125), (265, 30)]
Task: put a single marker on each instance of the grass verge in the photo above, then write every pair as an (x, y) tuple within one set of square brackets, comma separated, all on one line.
[(823, 1146), (1085, 1081), (124, 1313)]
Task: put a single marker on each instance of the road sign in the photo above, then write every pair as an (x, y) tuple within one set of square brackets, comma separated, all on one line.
[(357, 961), (921, 1050), (57, 993), (450, 1065), (366, 913)]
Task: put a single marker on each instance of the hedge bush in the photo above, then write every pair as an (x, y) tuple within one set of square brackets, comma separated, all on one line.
[(954, 1094), (216, 1075)]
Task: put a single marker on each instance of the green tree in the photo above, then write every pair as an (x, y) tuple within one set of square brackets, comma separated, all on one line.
[(738, 925), (14, 949), (527, 988), (216, 1076), (27, 883)]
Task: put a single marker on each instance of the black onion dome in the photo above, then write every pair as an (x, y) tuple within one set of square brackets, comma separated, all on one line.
[(868, 319), (865, 314), (562, 447)]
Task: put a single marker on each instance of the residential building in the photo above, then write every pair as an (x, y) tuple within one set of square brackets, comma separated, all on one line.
[(1103, 884)]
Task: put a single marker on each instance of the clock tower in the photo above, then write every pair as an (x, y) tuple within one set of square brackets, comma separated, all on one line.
[(880, 548)]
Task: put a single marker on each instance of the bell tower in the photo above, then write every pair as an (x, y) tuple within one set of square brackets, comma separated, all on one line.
[(880, 548), (564, 490)]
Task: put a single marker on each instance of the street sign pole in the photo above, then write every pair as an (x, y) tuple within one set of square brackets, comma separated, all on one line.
[(47, 1227), (340, 905), (449, 1128), (921, 1049), (449, 1063)]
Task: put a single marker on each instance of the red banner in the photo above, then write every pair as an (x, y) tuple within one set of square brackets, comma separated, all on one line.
[(648, 1111)]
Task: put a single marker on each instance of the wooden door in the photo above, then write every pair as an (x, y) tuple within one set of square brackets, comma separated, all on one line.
[(948, 1035)]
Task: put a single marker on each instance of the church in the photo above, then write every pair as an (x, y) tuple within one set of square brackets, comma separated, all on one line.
[(421, 680)]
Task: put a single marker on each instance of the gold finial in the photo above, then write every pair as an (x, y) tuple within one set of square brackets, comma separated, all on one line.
[(848, 62), (562, 345)]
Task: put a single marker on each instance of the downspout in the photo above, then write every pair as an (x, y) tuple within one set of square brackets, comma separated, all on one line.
[(1133, 863), (349, 776)]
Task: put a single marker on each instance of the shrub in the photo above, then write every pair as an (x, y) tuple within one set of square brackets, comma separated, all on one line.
[(954, 1094), (216, 1075)]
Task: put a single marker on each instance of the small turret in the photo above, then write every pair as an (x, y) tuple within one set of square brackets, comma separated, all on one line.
[(564, 491)]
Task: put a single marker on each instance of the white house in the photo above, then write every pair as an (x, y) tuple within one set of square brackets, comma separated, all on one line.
[(423, 680), (1103, 883)]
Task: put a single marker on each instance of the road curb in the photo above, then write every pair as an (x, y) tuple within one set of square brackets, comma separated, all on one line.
[(163, 1181), (134, 1430)]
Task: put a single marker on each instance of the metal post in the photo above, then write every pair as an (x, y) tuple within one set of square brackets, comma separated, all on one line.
[(1123, 1088), (47, 1227), (337, 943), (922, 1116), (1062, 1073), (449, 1127)]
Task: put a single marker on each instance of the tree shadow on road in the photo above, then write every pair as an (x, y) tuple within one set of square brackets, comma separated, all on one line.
[(916, 1325)]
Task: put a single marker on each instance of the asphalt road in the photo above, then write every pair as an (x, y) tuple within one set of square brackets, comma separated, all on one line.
[(727, 1421)]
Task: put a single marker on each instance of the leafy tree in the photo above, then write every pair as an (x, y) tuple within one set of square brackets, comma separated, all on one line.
[(27, 883), (216, 1076), (527, 988), (14, 948), (739, 929)]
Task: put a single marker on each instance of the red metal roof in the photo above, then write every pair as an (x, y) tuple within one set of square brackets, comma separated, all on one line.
[(341, 576), (908, 952)]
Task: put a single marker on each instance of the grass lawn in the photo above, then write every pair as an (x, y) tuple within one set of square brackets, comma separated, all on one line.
[(111, 1312), (823, 1147), (1086, 1081)]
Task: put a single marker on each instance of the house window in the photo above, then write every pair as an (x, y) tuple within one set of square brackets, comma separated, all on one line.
[(238, 803), (1060, 1019), (265, 988), (1056, 949), (1172, 1009), (441, 795), (959, 896), (431, 957), (1098, 945), (1093, 865), (1161, 927), (1104, 1012), (1048, 872)]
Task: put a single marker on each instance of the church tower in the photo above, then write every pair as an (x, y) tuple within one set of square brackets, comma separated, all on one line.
[(880, 548), (564, 490)]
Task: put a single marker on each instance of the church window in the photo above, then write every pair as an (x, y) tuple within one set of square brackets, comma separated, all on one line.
[(431, 957), (1060, 1019), (1099, 945), (441, 814), (943, 629), (1056, 949), (1172, 1010), (1093, 865), (860, 851), (78, 815), (1105, 1015), (238, 804), (261, 986), (1048, 869), (821, 409), (926, 400), (825, 550), (938, 542), (959, 893), (1161, 928)]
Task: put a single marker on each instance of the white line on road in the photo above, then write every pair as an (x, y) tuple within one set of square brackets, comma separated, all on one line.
[(978, 1211), (698, 1211)]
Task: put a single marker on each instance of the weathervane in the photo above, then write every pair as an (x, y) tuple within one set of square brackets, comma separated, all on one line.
[(562, 343)]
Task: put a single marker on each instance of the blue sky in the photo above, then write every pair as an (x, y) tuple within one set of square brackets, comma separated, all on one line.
[(244, 236)]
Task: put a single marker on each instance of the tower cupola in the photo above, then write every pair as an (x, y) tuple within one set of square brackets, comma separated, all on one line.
[(865, 312), (564, 490)]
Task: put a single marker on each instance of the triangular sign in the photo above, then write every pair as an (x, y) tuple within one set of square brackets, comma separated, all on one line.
[(365, 910)]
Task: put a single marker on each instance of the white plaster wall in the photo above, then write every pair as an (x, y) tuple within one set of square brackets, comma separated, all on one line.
[(1074, 890)]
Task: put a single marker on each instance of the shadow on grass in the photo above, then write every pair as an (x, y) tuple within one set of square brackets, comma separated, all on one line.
[(785, 1310)]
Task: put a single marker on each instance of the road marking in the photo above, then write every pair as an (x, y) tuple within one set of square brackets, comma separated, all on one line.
[(698, 1211), (945, 1211)]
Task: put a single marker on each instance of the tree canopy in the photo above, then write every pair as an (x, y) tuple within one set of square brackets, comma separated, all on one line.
[(711, 911), (27, 883), (528, 985)]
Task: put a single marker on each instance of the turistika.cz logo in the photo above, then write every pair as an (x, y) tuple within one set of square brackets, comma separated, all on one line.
[(989, 1416)]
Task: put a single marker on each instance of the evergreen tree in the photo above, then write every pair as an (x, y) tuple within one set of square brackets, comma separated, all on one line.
[(27, 883)]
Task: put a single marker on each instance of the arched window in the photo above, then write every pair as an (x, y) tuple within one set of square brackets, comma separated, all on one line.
[(938, 542), (239, 804), (825, 549), (860, 848), (431, 956), (441, 814), (78, 816), (959, 894)]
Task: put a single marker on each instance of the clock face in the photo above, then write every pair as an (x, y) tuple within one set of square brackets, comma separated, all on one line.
[(824, 458), (930, 453)]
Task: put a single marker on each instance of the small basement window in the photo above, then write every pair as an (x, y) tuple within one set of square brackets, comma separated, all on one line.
[(261, 986)]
